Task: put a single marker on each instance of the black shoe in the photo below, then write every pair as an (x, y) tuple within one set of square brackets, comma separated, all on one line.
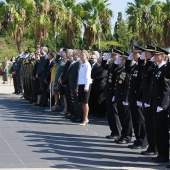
[(148, 153), (72, 118), (101, 116), (160, 159), (43, 105), (168, 166), (135, 146), (122, 141), (77, 120), (112, 137)]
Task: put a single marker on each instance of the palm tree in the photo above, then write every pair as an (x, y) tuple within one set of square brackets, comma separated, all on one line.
[(166, 24), (96, 19), (16, 16), (144, 17), (72, 22), (41, 22)]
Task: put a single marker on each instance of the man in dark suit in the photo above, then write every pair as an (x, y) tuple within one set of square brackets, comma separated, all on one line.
[(41, 74), (97, 100), (73, 80), (51, 57), (160, 105), (65, 82)]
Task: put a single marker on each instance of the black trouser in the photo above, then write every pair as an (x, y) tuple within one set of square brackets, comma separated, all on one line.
[(19, 83), (138, 121), (43, 87), (126, 121), (162, 133), (149, 124), (69, 99), (96, 102), (113, 117), (78, 110), (15, 83)]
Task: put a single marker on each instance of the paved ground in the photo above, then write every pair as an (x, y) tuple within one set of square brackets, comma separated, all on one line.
[(33, 138)]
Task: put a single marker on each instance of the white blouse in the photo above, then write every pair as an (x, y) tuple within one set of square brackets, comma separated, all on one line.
[(84, 77)]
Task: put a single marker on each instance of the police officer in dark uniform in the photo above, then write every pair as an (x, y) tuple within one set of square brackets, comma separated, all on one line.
[(113, 118), (160, 104), (137, 114), (145, 98), (121, 102)]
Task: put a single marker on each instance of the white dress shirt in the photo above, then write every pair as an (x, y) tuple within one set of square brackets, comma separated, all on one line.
[(161, 64), (84, 77)]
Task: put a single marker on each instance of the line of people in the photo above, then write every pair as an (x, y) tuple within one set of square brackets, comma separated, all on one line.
[(133, 89)]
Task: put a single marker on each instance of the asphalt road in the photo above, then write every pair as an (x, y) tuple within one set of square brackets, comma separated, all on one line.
[(31, 137)]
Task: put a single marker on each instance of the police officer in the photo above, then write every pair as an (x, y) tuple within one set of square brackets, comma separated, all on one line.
[(121, 102), (136, 110), (145, 98), (113, 118), (160, 104)]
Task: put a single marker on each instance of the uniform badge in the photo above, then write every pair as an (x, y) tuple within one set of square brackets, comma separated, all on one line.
[(110, 80), (135, 74), (120, 81), (158, 74)]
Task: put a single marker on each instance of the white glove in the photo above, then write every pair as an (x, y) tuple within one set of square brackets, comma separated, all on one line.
[(159, 109), (130, 57), (125, 103), (139, 104), (143, 56), (113, 99), (146, 105), (107, 56), (118, 60), (152, 59)]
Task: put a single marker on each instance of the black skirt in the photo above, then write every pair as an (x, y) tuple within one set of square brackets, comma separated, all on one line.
[(83, 97)]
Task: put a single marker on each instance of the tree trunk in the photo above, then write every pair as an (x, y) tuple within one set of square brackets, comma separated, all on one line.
[(19, 46), (37, 44)]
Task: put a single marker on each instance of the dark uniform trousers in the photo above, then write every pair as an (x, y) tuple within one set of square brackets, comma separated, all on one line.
[(162, 133), (126, 121), (112, 114), (113, 118), (138, 122), (149, 125)]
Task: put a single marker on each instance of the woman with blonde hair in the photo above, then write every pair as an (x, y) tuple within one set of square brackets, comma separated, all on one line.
[(84, 85)]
